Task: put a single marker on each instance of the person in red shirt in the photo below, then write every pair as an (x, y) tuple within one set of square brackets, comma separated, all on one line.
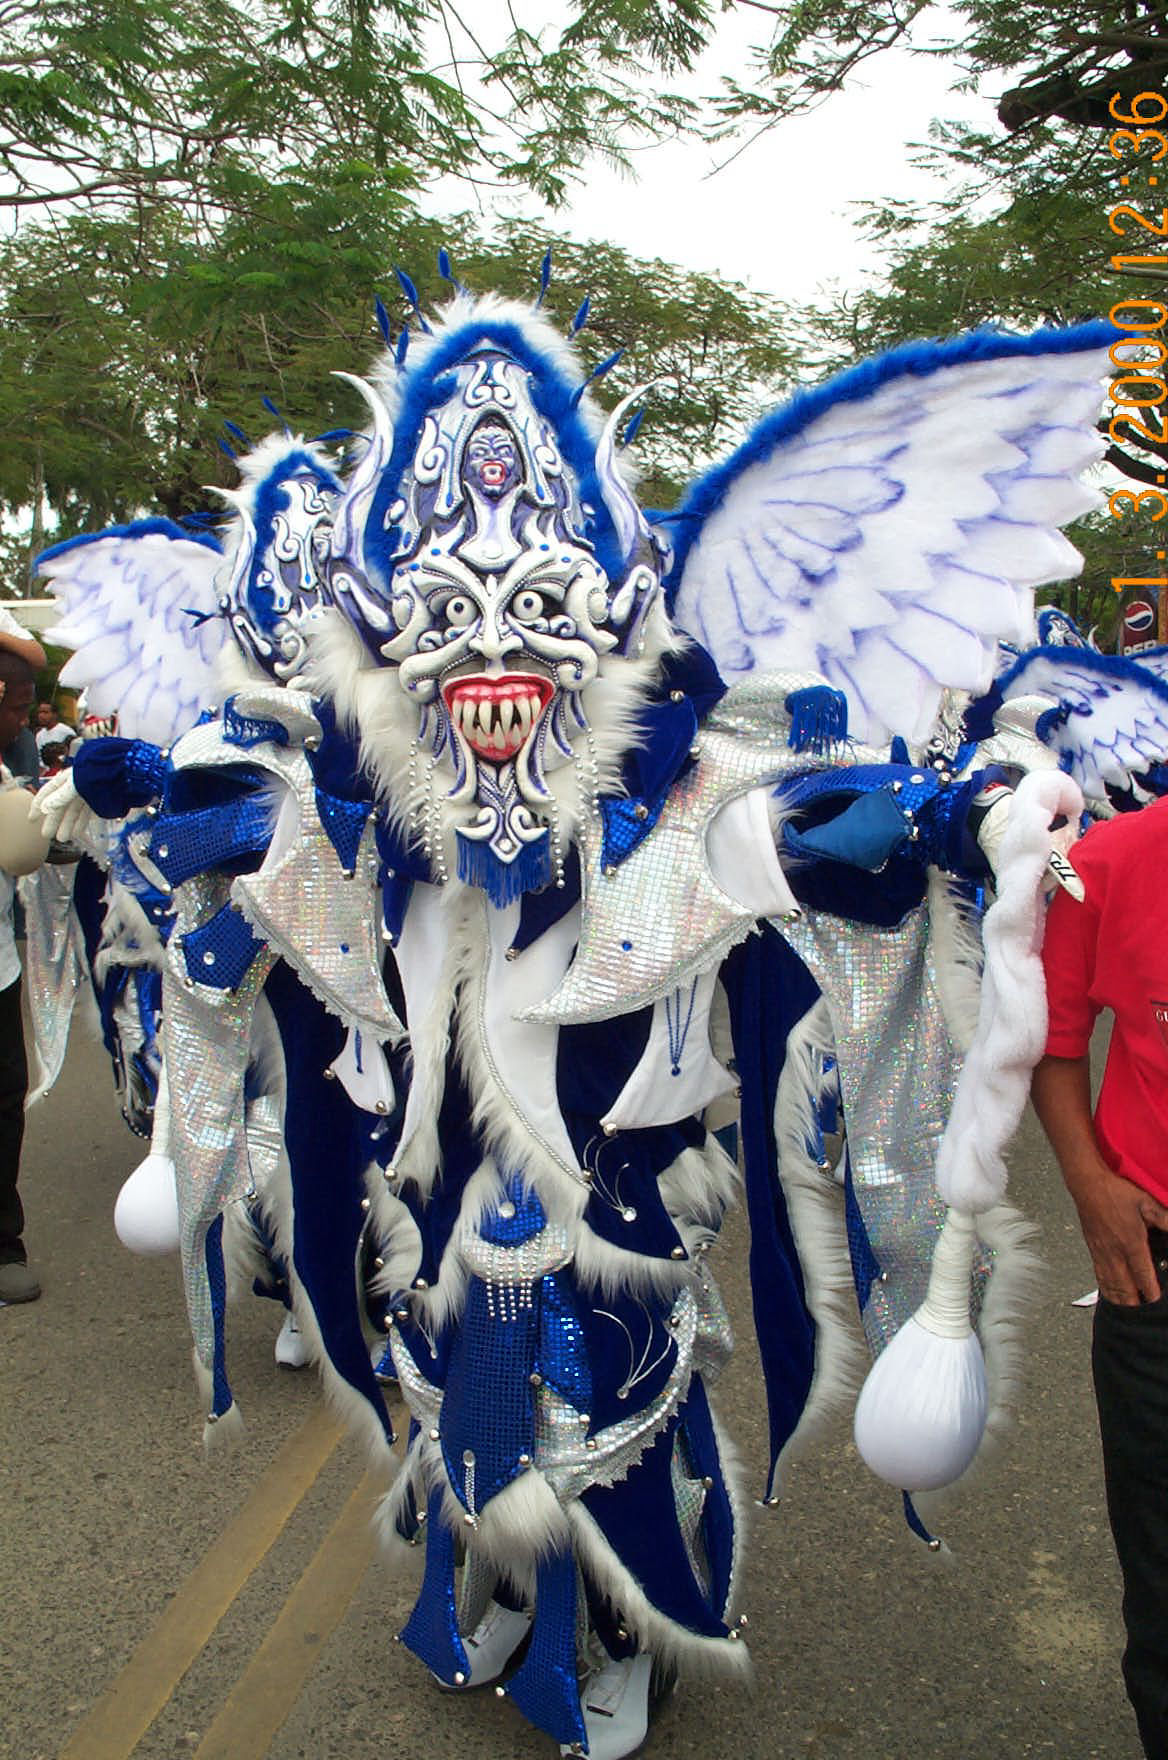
[(1110, 952)]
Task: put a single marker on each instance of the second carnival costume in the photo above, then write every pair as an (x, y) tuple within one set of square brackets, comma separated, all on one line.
[(527, 830)]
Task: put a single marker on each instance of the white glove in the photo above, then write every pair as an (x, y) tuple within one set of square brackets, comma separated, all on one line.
[(992, 829), (62, 809)]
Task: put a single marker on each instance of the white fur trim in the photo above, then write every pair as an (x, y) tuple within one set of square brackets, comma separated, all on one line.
[(816, 1209), (955, 944), (1011, 1028), (668, 1642)]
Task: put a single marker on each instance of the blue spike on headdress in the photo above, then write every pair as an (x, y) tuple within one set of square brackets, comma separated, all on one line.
[(403, 343), (634, 423), (598, 372), (237, 433), (444, 266), (383, 323), (273, 409), (581, 318), (230, 451), (407, 287), (330, 435), (545, 276)]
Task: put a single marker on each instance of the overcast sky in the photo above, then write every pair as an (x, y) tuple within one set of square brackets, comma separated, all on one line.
[(781, 217)]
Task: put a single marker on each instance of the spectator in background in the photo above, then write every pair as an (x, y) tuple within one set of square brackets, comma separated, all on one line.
[(50, 731), (18, 1283)]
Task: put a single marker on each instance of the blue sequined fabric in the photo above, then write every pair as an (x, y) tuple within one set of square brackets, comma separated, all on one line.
[(546, 1689), (183, 844), (431, 1631), (344, 821), (625, 824), (220, 952)]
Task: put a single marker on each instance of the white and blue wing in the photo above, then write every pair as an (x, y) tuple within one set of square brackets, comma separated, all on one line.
[(888, 529), (138, 606), (1109, 719), (1153, 659)]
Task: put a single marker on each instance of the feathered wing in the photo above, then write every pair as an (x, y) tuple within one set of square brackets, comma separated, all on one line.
[(139, 609), (1110, 715), (888, 529)]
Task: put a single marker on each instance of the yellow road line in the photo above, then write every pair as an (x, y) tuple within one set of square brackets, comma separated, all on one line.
[(114, 1726), (261, 1699)]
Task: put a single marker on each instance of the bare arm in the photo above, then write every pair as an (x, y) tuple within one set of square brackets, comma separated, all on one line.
[(1114, 1214), (27, 647)]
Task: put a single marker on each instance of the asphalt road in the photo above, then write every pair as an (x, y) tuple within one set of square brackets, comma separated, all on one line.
[(159, 1604)]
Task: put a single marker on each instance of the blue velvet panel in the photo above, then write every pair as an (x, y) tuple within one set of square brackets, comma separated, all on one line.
[(630, 1349), (325, 1137), (769, 990), (638, 1518)]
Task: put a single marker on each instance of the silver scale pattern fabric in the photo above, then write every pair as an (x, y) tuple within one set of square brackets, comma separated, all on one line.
[(898, 1067), (206, 1040), (660, 918), (54, 967)]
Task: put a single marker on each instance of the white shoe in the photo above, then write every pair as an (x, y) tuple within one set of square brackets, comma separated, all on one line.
[(493, 1643), (615, 1703), (291, 1350)]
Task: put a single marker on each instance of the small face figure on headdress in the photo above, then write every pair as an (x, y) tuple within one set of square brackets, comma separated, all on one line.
[(491, 460)]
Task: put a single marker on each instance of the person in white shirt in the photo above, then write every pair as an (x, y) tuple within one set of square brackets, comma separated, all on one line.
[(50, 729)]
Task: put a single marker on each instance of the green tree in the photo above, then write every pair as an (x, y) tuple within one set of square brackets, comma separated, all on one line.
[(125, 348)]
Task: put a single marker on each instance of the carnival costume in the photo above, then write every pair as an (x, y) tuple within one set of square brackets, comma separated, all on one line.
[(538, 801)]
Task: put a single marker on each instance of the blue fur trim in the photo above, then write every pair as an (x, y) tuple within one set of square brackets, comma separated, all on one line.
[(503, 882), (919, 359), (819, 718), (137, 528), (554, 396)]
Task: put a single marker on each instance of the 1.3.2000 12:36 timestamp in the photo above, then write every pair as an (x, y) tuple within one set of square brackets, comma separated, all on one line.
[(1139, 389)]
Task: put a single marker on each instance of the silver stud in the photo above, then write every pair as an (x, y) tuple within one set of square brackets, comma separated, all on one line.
[(506, 1209), (677, 696), (380, 1107), (609, 871), (208, 958), (628, 1214), (511, 953), (387, 1323), (390, 1173), (590, 1442), (708, 1483), (609, 1130), (212, 1417), (535, 1378), (469, 1519), (401, 1313), (163, 851), (916, 777), (365, 1202), (348, 873), (934, 1546), (459, 1678), (420, 1283), (500, 1692), (524, 1460), (379, 1264), (897, 786), (945, 776), (433, 1436), (640, 811), (387, 937), (312, 742), (733, 1636), (330, 1074), (677, 1252), (742, 1620), (584, 1420)]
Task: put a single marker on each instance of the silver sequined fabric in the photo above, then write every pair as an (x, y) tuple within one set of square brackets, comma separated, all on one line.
[(54, 967), (898, 1067)]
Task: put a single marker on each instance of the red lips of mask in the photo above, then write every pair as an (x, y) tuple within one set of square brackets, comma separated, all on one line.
[(495, 715)]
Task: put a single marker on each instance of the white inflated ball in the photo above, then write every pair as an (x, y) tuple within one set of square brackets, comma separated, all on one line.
[(23, 843), (922, 1411), (146, 1212)]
